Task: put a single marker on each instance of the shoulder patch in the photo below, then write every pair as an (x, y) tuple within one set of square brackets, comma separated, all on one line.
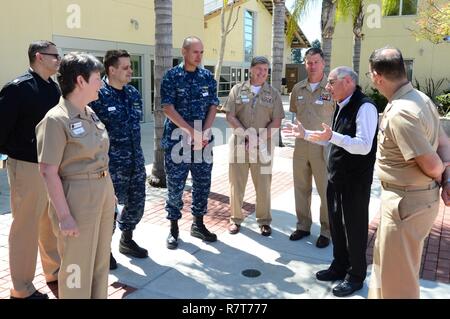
[(22, 78)]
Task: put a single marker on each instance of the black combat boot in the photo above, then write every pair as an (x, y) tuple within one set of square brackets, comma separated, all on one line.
[(172, 239), (199, 230), (128, 246), (112, 262)]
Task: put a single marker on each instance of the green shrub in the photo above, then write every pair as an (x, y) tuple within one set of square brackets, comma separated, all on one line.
[(378, 98), (430, 87), (443, 104)]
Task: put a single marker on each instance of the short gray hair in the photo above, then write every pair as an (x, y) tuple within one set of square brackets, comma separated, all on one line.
[(343, 71), (259, 60), (189, 40)]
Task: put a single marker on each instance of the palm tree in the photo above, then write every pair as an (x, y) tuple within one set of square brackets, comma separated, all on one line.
[(163, 61), (355, 10), (327, 22), (301, 7), (333, 10), (278, 17)]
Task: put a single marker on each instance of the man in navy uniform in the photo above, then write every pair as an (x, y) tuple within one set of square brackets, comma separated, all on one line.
[(189, 100), (119, 107), (23, 104)]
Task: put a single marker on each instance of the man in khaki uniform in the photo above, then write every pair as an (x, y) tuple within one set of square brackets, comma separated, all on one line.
[(23, 103), (254, 110), (411, 146), (313, 106), (73, 156)]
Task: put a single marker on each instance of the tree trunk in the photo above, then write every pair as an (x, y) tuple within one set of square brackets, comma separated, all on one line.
[(278, 15), (163, 61), (356, 54), (327, 24), (223, 40), (357, 31), (277, 42), (225, 29)]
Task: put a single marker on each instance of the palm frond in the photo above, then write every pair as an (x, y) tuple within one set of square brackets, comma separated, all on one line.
[(299, 9)]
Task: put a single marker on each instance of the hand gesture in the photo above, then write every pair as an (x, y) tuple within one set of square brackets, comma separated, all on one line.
[(294, 130), (321, 136)]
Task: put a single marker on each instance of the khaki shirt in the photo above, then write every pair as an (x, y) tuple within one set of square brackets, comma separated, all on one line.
[(312, 107), (75, 141), (409, 128), (254, 111)]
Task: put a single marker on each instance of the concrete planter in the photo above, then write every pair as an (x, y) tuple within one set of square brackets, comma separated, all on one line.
[(445, 123)]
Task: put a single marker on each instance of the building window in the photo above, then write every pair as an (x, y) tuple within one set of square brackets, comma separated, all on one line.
[(409, 65), (246, 74), (137, 78), (235, 76), (210, 68), (402, 8), (249, 27), (224, 81)]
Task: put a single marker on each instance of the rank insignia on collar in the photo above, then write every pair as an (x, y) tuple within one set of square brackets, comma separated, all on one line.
[(325, 96), (95, 117)]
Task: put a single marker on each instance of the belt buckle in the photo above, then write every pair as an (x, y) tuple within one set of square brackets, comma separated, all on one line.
[(103, 174)]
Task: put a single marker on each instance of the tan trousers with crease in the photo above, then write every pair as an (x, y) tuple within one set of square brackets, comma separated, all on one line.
[(30, 228), (406, 220)]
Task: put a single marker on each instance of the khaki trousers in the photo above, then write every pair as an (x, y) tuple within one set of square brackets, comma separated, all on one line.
[(406, 220), (309, 161), (30, 228), (262, 179), (85, 259)]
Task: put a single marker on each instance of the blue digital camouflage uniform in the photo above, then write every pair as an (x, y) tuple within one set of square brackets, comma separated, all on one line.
[(192, 94), (120, 111)]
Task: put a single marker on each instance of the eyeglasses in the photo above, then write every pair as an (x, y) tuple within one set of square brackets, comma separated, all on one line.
[(332, 81), (55, 55)]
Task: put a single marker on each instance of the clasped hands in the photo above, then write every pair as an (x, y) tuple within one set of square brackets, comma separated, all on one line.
[(198, 139)]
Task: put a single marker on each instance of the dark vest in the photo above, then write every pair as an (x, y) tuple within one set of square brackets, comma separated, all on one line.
[(343, 166)]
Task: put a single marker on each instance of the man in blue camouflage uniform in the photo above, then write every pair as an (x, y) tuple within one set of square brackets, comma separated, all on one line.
[(119, 107), (189, 100)]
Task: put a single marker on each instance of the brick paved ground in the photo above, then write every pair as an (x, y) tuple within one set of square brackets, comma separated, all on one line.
[(435, 261), (436, 253), (216, 220)]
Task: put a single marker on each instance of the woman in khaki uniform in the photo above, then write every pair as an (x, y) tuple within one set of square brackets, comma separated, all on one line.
[(73, 157)]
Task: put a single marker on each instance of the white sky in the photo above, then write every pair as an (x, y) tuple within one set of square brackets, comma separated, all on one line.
[(310, 23)]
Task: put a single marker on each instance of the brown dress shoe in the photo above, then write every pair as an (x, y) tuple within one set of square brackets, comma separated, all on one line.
[(265, 230), (322, 242), (234, 228), (299, 234)]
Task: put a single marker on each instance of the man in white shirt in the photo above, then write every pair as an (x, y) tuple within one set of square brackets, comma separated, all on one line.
[(351, 160)]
